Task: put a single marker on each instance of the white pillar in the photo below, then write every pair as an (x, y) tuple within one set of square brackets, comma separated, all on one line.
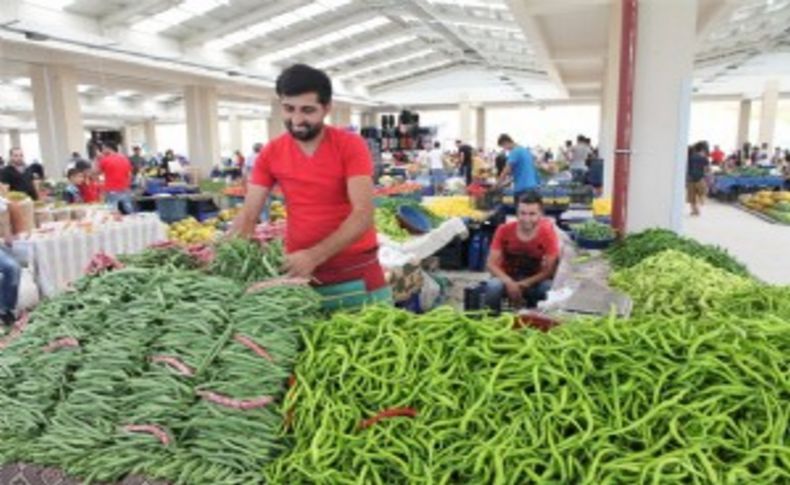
[(149, 127), (234, 124), (662, 102), (480, 132), (608, 127), (465, 120), (15, 137), (202, 127), (341, 114), (128, 139), (368, 119), (58, 116), (744, 116), (4, 147), (275, 123), (768, 114)]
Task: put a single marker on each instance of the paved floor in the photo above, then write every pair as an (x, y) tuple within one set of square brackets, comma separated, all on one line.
[(764, 247)]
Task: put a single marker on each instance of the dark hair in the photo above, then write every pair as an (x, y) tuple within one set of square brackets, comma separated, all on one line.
[(503, 138), (701, 146), (436, 144), (72, 172), (301, 79), (531, 197), (82, 165)]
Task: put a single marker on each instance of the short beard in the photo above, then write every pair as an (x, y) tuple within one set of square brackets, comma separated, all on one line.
[(310, 134)]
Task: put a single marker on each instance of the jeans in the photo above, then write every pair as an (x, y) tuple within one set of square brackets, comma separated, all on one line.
[(121, 201), (495, 292), (11, 273), (579, 175), (438, 177)]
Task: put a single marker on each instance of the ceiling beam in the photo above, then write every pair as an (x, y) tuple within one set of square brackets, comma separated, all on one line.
[(399, 81), (362, 41), (482, 22), (534, 34), (715, 15), (395, 67), (260, 14), (549, 7), (124, 15), (341, 19)]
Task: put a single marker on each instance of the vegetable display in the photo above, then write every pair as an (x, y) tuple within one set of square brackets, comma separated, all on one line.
[(636, 247), (394, 398), (155, 371), (594, 231), (454, 206)]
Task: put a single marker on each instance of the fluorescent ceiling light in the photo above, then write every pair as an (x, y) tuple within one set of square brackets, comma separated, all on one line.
[(380, 65), (22, 82), (126, 93), (477, 25), (326, 39), (84, 88), (53, 4), (490, 4), (164, 97), (366, 51), (282, 21), (407, 72), (182, 12)]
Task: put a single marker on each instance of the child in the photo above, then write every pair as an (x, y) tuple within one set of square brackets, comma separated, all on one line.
[(90, 188), (72, 195)]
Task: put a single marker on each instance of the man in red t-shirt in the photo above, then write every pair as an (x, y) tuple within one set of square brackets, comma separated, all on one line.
[(117, 170), (523, 256), (326, 177), (717, 156)]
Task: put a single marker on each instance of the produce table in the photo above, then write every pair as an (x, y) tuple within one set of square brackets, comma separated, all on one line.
[(61, 253), (725, 184)]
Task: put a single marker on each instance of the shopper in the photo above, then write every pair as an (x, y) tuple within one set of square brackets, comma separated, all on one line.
[(250, 161), (523, 256), (578, 161), (117, 170), (72, 194), (697, 169), (436, 167), (35, 170), (138, 160), (16, 177), (10, 275), (521, 165), (326, 176), (717, 155), (465, 160)]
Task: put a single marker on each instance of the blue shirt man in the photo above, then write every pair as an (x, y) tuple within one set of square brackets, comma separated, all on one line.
[(520, 164)]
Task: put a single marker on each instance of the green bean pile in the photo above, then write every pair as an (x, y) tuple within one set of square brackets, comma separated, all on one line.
[(134, 395), (639, 246), (651, 400), (674, 283), (246, 261)]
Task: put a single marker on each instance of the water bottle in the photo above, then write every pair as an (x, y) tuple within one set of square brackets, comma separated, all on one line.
[(471, 298)]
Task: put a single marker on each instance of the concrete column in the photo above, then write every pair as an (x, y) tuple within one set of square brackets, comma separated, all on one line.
[(234, 124), (768, 114), (368, 119), (341, 114), (202, 127), (149, 128), (4, 147), (15, 137), (465, 120), (744, 115), (58, 116), (127, 132), (662, 102), (480, 133), (275, 123), (608, 127)]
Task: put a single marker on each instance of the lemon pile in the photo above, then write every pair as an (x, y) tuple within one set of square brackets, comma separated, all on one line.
[(190, 231), (454, 206)]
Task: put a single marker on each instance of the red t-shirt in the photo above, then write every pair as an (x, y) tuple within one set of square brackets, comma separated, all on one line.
[(90, 192), (117, 170), (315, 190), (717, 156), (522, 259)]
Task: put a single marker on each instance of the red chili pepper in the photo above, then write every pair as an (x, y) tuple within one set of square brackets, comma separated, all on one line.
[(388, 413)]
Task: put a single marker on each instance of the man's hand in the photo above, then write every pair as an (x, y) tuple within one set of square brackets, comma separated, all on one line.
[(514, 292), (301, 264), (241, 226)]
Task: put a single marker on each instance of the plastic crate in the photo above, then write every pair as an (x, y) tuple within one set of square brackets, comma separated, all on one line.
[(204, 216), (154, 186), (593, 243), (171, 209)]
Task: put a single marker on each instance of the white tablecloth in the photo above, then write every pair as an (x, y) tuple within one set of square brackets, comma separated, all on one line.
[(61, 257)]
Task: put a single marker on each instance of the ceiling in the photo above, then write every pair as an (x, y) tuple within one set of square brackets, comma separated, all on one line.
[(401, 52)]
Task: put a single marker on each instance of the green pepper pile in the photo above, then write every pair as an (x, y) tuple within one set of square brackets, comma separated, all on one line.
[(158, 372), (387, 397), (386, 217), (636, 247), (594, 231)]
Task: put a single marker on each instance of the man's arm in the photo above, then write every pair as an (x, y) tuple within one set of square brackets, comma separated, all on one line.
[(546, 271), (244, 224), (360, 192), (494, 266), (504, 176)]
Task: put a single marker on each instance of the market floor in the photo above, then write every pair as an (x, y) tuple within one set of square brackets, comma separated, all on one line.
[(762, 246)]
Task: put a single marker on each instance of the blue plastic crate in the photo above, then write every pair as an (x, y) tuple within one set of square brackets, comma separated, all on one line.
[(204, 216), (171, 209)]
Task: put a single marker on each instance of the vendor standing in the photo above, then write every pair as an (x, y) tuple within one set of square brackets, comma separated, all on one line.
[(520, 166), (523, 256), (326, 177)]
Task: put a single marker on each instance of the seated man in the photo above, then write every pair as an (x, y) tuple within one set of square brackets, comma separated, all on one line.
[(523, 256)]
